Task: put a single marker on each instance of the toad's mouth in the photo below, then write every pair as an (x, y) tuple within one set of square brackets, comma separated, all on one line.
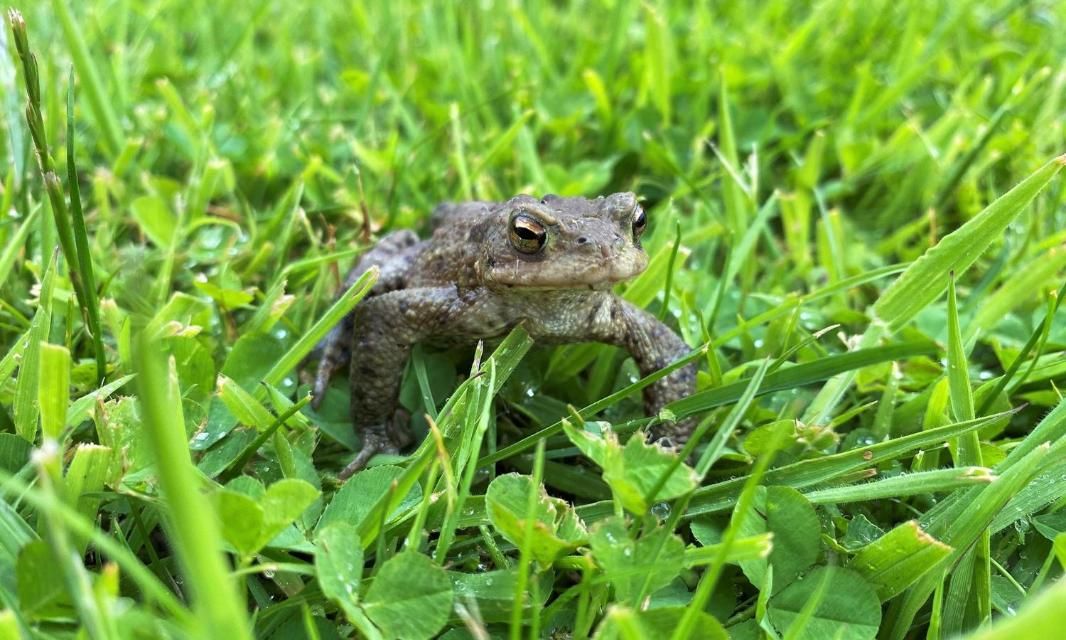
[(600, 277)]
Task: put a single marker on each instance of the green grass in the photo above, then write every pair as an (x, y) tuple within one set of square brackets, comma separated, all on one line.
[(856, 223)]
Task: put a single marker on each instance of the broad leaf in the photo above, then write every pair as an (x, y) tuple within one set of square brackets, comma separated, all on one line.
[(847, 606), (339, 565), (361, 492), (634, 567), (556, 530), (791, 519), (634, 470), (410, 598)]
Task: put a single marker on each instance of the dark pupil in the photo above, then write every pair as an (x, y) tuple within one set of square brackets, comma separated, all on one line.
[(526, 233), (639, 222)]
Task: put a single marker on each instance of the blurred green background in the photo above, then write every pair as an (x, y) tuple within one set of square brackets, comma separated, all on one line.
[(880, 125), (876, 105)]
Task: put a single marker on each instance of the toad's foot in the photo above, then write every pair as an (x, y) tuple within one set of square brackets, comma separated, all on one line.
[(373, 444), (672, 438), (381, 439), (673, 435)]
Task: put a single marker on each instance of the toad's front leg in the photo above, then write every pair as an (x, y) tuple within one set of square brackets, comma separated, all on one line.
[(384, 329), (653, 346)]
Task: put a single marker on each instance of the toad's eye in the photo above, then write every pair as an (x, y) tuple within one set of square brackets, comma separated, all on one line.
[(527, 234), (639, 222)]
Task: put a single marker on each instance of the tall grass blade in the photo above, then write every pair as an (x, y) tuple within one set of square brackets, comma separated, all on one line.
[(196, 538), (90, 305)]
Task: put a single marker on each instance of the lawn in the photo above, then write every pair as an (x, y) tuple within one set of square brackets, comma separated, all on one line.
[(856, 222)]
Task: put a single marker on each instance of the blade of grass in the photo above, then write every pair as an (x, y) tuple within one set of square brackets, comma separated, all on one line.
[(786, 378), (821, 294), (84, 531), (710, 455), (669, 285), (344, 304), (90, 305), (26, 407), (588, 411), (196, 538), (1052, 428), (958, 170), (973, 577), (965, 531), (504, 360), (801, 374), (1038, 335), (1044, 616), (749, 548), (807, 473), (1045, 489), (717, 444), (911, 484), (912, 291), (15, 244), (68, 561), (53, 389), (710, 577), (961, 393), (525, 553), (233, 469), (897, 559), (813, 472), (483, 414), (1023, 286), (734, 191)]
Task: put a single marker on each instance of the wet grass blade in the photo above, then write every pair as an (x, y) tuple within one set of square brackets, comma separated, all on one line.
[(810, 473), (1039, 334), (911, 484), (800, 375), (925, 280), (785, 378)]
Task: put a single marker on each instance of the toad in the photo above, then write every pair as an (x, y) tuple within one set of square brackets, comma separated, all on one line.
[(548, 264)]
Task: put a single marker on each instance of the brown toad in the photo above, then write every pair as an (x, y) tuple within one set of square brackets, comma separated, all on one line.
[(548, 264)]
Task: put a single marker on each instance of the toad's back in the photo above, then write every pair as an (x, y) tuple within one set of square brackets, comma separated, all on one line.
[(451, 254)]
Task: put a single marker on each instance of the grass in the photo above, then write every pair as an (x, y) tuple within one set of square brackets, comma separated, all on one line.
[(856, 223)]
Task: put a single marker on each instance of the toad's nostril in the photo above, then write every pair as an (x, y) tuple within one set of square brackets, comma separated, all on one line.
[(582, 240)]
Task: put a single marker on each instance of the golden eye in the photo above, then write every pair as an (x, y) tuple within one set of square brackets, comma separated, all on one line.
[(527, 234), (639, 222)]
